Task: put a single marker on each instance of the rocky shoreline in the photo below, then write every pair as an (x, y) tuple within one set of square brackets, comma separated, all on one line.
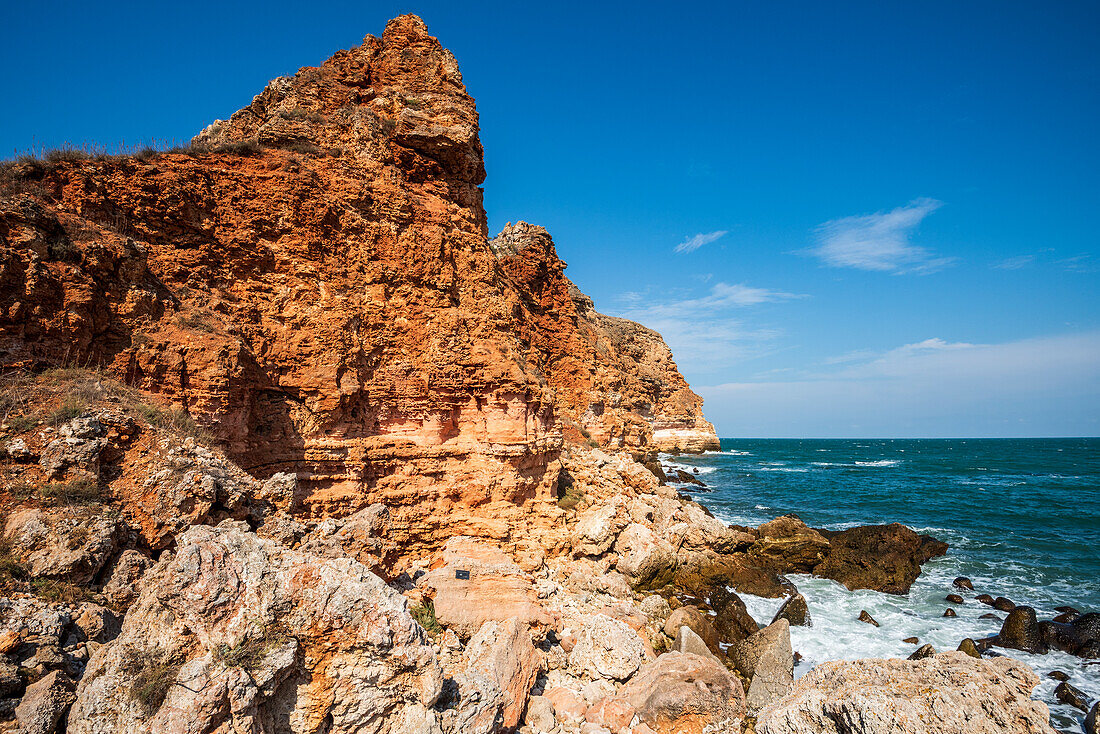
[(289, 444), (186, 597)]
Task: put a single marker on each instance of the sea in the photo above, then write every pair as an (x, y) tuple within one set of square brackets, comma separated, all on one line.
[(1021, 516)]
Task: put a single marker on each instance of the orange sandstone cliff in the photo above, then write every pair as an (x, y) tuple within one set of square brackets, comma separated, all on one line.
[(312, 280)]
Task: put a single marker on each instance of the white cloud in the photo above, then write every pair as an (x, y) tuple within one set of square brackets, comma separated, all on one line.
[(693, 243), (880, 241), (1032, 387), (703, 332)]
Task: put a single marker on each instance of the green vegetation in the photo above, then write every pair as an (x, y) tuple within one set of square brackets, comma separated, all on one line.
[(11, 568), (424, 614)]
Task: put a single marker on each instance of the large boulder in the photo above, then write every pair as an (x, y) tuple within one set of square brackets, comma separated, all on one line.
[(1021, 631), (683, 693), (500, 658), (496, 589), (596, 529), (607, 648), (44, 703), (232, 631), (788, 545), (767, 661), (880, 557), (944, 694), (644, 558)]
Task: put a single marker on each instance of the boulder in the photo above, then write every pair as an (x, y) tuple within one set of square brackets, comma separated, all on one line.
[(788, 545), (568, 705), (984, 599), (1003, 605), (596, 529), (611, 712), (880, 557), (644, 558), (540, 715), (745, 655), (967, 646), (949, 612), (795, 610), (687, 641), (1091, 724), (44, 703), (232, 630), (962, 582), (1079, 637), (922, 652), (767, 661), (866, 618), (1020, 631), (1071, 696), (943, 694), (497, 588), (67, 543), (502, 654), (686, 694), (732, 619), (700, 624), (953, 599), (607, 648)]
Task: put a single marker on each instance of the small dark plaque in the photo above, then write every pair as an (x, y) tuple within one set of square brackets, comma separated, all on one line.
[(464, 575)]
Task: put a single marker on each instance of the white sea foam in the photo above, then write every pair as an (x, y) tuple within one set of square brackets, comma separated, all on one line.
[(837, 634), (883, 462), (794, 469)]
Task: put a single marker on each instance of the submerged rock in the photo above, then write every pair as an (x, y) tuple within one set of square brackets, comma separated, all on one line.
[(944, 694), (865, 617), (1071, 696)]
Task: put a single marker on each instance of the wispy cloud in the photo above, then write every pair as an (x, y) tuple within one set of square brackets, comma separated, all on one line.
[(1033, 387), (1015, 263), (880, 241), (693, 243), (707, 333)]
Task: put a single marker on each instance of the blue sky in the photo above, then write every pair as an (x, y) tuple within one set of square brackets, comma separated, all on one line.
[(847, 219)]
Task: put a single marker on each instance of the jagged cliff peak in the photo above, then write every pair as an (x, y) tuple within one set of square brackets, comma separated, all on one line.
[(313, 282)]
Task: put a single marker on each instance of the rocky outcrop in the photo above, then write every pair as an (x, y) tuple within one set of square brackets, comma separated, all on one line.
[(313, 282), (232, 631), (881, 557), (950, 692)]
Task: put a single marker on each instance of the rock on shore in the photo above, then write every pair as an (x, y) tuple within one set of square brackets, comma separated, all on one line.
[(943, 694)]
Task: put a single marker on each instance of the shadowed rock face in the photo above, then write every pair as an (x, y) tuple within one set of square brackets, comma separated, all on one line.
[(313, 281)]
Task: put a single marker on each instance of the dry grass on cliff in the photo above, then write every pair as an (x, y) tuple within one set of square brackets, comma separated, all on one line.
[(424, 614), (154, 674), (56, 396)]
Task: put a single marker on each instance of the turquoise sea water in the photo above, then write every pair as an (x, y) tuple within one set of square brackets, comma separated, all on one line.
[(1022, 517)]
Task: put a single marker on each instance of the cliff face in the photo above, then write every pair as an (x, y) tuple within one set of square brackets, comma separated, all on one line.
[(312, 280), (615, 380)]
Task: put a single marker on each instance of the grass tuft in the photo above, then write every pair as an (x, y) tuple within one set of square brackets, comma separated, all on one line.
[(424, 614)]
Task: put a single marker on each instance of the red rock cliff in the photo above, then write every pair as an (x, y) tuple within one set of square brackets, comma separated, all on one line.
[(313, 281)]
